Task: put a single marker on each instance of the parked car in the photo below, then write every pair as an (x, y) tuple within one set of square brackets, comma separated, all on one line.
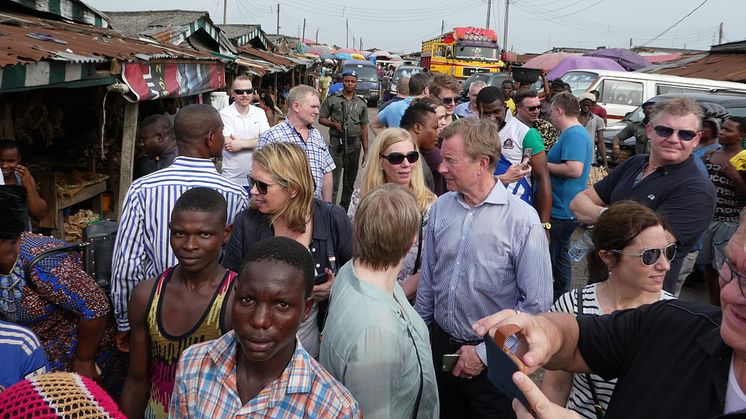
[(735, 104), (367, 79), (622, 91), (492, 79), (403, 71)]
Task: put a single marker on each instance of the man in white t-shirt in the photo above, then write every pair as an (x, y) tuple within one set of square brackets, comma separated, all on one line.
[(243, 123)]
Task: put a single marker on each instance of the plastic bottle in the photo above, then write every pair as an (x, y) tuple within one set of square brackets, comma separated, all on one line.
[(581, 246)]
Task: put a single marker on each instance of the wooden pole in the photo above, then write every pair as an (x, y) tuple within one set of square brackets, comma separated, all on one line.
[(129, 131)]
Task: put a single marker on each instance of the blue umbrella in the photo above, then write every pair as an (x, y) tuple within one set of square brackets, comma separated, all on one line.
[(343, 56), (327, 56)]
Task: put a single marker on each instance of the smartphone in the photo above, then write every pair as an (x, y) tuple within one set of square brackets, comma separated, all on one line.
[(320, 279), (449, 361), (501, 365), (526, 159)]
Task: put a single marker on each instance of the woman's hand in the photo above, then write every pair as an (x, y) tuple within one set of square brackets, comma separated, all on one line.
[(87, 368), (514, 173), (321, 292), (541, 407)]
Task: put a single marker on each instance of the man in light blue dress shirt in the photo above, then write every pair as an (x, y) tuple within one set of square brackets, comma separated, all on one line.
[(485, 250)]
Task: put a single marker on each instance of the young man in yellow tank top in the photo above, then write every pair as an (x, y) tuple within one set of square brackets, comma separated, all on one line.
[(187, 304)]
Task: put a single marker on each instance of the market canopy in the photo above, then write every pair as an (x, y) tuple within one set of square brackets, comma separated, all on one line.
[(382, 54), (575, 62), (342, 56), (629, 60), (547, 61)]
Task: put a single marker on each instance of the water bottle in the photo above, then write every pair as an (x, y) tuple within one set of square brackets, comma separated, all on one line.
[(581, 246)]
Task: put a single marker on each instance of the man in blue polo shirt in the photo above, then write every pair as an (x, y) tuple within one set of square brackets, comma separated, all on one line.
[(666, 180), (569, 163), (390, 117)]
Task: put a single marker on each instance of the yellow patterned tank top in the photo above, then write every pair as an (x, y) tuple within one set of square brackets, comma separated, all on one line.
[(165, 349)]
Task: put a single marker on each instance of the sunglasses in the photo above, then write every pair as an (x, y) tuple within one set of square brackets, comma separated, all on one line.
[(532, 108), (243, 91), (650, 257), (665, 132), (260, 186), (448, 100), (398, 158)]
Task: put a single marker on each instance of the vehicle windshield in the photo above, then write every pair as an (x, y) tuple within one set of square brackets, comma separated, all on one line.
[(405, 72), (637, 115), (486, 53), (364, 73), (579, 81)]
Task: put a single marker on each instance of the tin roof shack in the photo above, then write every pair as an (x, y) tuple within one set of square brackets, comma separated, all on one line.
[(247, 35), (60, 85), (724, 62)]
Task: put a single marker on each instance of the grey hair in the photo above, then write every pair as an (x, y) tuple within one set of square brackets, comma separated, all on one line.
[(297, 93)]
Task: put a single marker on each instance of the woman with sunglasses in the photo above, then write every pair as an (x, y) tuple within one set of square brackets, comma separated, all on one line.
[(398, 161), (282, 204), (632, 252)]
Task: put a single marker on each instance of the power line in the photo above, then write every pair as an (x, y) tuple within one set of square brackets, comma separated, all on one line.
[(677, 22)]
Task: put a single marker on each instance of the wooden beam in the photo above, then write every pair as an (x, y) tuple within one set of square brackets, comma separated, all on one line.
[(129, 131)]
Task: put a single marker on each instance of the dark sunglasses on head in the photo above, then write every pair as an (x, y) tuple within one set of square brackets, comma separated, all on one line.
[(532, 108), (650, 257), (260, 186), (398, 158), (684, 134), (448, 100), (243, 91)]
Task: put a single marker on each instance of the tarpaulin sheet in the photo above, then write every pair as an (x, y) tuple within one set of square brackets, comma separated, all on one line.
[(148, 81)]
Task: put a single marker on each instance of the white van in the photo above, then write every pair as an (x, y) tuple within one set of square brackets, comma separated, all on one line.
[(621, 91)]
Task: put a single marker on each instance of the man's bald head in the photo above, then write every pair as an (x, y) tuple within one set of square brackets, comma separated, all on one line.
[(193, 125)]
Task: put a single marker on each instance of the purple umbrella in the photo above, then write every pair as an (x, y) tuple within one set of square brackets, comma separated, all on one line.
[(627, 59), (572, 63)]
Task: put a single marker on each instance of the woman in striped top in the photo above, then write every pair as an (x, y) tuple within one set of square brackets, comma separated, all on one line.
[(633, 248)]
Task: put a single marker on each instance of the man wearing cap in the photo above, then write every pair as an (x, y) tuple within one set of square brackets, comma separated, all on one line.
[(346, 115), (593, 124)]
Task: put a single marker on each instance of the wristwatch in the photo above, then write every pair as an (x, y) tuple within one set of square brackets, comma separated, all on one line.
[(547, 226)]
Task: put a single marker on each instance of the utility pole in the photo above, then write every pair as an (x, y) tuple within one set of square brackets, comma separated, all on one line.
[(353, 41), (278, 18), (303, 36), (361, 44), (489, 11), (225, 11), (630, 42), (442, 27), (317, 35), (347, 31), (505, 34), (720, 34)]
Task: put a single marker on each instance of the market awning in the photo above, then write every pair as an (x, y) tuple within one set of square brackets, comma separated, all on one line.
[(148, 81), (46, 74)]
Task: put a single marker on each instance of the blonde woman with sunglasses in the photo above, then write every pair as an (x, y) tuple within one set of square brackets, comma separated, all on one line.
[(633, 249), (394, 158)]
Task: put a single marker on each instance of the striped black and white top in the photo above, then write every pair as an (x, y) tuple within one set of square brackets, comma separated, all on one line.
[(581, 399)]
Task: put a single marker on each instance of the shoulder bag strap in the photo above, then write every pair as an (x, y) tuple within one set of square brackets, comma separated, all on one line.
[(330, 241), (418, 260), (422, 379), (596, 404), (38, 258)]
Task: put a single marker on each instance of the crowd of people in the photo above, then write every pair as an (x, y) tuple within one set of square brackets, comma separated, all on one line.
[(286, 283)]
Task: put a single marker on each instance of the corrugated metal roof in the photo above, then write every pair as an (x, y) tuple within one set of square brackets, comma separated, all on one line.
[(156, 23), (25, 39), (729, 67), (267, 56)]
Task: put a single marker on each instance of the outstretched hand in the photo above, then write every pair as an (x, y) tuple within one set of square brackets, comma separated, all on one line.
[(539, 405)]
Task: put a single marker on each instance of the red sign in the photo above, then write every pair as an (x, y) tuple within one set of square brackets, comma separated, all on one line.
[(148, 81)]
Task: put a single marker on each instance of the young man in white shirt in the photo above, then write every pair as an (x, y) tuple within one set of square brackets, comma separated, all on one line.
[(243, 123)]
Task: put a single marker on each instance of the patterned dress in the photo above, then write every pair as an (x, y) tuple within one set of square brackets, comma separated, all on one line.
[(53, 300), (166, 349)]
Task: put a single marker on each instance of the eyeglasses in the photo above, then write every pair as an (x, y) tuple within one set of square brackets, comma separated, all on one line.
[(448, 100), (665, 132), (727, 271), (532, 108), (243, 91), (650, 257), (260, 186), (398, 158)]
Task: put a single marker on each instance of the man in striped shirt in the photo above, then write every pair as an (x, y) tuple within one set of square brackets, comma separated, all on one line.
[(142, 247), (485, 249), (22, 354)]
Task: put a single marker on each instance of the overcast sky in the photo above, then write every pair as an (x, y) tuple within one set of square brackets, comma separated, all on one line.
[(534, 25)]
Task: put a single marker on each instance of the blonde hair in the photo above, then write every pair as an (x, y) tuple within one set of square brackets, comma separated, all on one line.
[(680, 106), (386, 223), (288, 165), (373, 172)]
